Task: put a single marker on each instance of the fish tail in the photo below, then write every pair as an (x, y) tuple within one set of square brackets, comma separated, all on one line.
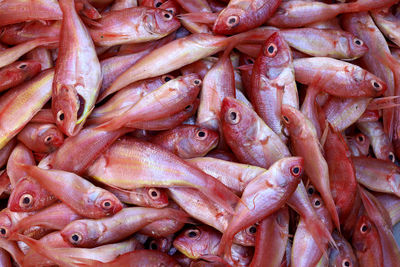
[(330, 204)]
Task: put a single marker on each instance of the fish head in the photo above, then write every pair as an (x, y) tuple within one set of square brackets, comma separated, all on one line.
[(231, 20), (28, 195), (81, 233), (195, 242), (375, 85), (291, 169), (156, 197), (357, 47), (51, 137), (106, 203), (293, 120), (68, 108), (28, 67), (5, 223), (362, 142), (161, 22), (192, 81), (197, 141), (236, 117), (344, 255), (365, 235), (276, 54)]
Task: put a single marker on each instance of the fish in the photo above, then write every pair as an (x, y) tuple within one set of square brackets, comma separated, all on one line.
[(250, 139), (262, 197), (271, 239), (89, 233), (79, 194), (78, 76), (15, 108), (272, 81), (112, 168), (242, 15), (305, 144), (135, 25), (19, 11)]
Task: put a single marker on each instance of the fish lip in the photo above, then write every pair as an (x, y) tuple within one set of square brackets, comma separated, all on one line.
[(150, 23)]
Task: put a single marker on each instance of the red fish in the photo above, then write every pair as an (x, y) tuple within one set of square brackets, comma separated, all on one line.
[(263, 196), (77, 76)]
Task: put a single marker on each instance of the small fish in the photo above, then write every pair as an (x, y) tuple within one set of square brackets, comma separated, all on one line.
[(78, 74)]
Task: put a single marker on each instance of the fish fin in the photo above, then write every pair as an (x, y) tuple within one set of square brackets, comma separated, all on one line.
[(199, 17), (245, 67), (45, 251), (384, 103)]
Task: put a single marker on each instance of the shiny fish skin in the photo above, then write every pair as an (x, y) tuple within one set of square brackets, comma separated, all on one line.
[(135, 25), (305, 144), (111, 168), (78, 74), (170, 57), (18, 72), (86, 199), (262, 197), (41, 137), (15, 107)]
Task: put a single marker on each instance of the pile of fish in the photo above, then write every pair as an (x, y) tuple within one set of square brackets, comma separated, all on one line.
[(258, 133)]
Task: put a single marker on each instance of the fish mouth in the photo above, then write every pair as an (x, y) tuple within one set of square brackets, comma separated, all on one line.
[(150, 24)]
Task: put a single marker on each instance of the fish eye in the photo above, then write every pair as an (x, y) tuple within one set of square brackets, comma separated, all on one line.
[(392, 157), (346, 263), (295, 171), (197, 82), (232, 21), (153, 245), (171, 10), (317, 203), (310, 190), (201, 134), (188, 107), (271, 50), (60, 115), (106, 204), (286, 119), (251, 230), (48, 139), (249, 60), (158, 3), (360, 138), (233, 116), (154, 193), (193, 233), (364, 228), (22, 66), (377, 86), (167, 16), (358, 41), (3, 231), (167, 78), (25, 201), (75, 238)]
